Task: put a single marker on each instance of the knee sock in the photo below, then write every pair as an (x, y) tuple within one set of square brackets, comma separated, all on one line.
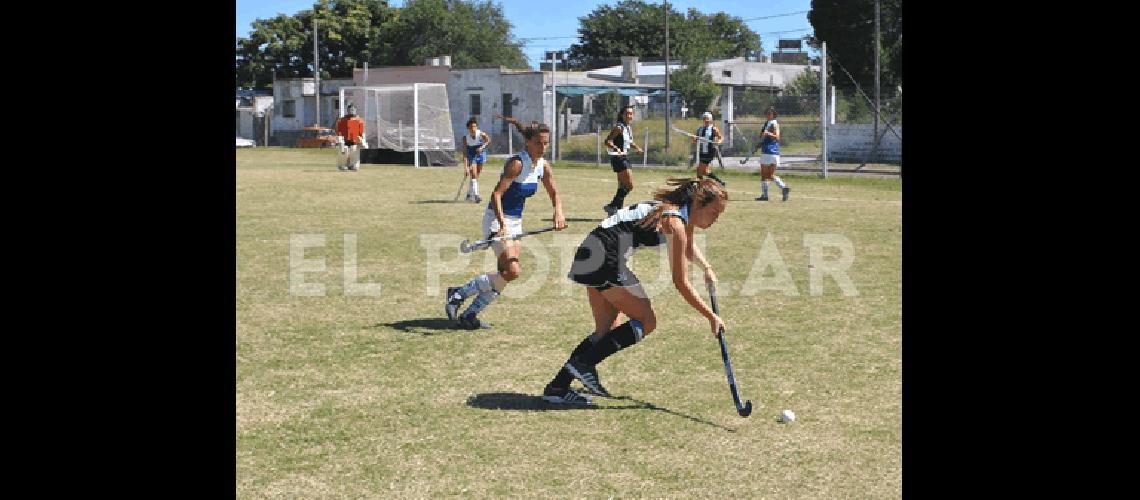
[(475, 186), (764, 187), (779, 182), (629, 333), (563, 378), (481, 301), (619, 196), (478, 284)]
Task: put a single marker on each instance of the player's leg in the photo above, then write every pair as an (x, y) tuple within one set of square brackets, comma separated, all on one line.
[(765, 175), (632, 301), (605, 314), (784, 189), (625, 185), (703, 169), (508, 270), (477, 169), (354, 157)]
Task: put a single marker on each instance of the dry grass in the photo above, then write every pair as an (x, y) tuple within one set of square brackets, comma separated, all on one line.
[(350, 396)]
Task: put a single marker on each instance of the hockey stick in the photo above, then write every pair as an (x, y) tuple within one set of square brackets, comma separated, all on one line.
[(461, 183), (693, 159), (467, 247), (746, 409)]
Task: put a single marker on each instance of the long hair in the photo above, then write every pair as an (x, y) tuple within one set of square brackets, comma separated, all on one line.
[(680, 191), (530, 130), (621, 114)]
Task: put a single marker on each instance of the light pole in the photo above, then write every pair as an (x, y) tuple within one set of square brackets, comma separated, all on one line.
[(553, 57), (668, 95)]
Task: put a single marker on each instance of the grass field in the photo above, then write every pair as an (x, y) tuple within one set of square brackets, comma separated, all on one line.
[(372, 396)]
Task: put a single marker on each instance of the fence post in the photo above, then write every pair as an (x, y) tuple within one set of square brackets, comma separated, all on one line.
[(645, 150), (599, 148), (823, 106)]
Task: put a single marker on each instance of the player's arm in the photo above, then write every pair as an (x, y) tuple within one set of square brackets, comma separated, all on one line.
[(678, 244), (634, 145), (486, 141), (716, 135), (775, 133), (614, 132), (696, 255), (510, 173), (552, 190)]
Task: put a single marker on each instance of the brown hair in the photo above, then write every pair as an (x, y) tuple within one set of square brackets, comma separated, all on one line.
[(530, 130), (685, 190)]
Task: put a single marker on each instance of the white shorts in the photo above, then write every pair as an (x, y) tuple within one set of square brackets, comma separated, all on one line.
[(767, 159), (491, 224)]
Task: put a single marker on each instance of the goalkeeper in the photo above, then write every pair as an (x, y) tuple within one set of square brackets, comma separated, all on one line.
[(350, 137)]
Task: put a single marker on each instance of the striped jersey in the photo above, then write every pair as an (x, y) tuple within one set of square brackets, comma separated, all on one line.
[(707, 134), (768, 145), (626, 138), (622, 225), (523, 187)]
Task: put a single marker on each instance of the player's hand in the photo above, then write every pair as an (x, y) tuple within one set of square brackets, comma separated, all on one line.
[(710, 276), (559, 221), (502, 234), (716, 324)]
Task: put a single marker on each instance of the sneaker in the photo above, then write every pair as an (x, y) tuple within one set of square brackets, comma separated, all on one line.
[(453, 303), (565, 396), (762, 198), (588, 375), (478, 199), (786, 190), (472, 323), (610, 210)]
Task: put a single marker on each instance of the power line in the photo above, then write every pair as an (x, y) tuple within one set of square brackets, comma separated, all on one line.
[(776, 15)]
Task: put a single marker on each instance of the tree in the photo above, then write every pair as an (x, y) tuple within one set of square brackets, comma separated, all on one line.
[(807, 83), (352, 32), (475, 34), (635, 28), (848, 28)]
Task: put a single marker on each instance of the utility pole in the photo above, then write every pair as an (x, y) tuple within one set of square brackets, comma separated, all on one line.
[(877, 108), (316, 68), (668, 95)]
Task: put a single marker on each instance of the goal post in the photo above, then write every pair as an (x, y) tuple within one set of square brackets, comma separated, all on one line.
[(411, 117)]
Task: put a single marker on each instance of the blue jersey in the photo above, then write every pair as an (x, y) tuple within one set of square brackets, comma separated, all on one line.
[(523, 187), (768, 145)]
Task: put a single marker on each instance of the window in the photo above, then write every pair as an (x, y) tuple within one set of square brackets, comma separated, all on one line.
[(508, 110), (476, 105), (290, 109), (726, 73)]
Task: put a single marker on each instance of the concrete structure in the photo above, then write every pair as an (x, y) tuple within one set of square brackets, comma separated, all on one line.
[(295, 103), (250, 112)]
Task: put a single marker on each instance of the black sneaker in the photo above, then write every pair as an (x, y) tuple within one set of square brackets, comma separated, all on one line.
[(565, 396), (478, 199), (762, 198), (588, 375), (453, 302), (472, 323), (610, 210), (786, 190)]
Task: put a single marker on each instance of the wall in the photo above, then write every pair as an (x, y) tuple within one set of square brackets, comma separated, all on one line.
[(850, 143)]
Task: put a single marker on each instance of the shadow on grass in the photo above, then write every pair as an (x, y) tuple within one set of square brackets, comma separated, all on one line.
[(422, 326), (577, 219), (423, 202), (526, 402)]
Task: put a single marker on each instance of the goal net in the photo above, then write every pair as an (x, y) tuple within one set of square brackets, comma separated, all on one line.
[(404, 118)]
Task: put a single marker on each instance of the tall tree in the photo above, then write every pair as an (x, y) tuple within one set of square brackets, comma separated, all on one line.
[(475, 34), (848, 28), (352, 32), (634, 28)]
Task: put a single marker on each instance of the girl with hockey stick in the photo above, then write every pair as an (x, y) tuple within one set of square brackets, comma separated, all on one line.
[(770, 156), (503, 217), (707, 148), (619, 141), (475, 142), (613, 289)]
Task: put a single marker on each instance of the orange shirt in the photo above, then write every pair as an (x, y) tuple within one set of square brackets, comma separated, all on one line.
[(351, 128)]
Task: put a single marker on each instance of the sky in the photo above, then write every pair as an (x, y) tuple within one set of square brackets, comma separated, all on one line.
[(542, 21)]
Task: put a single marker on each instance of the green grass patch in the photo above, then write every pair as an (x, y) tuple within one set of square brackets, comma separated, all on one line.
[(360, 396)]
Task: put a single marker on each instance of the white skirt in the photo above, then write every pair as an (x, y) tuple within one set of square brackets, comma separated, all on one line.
[(491, 224), (767, 159)]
